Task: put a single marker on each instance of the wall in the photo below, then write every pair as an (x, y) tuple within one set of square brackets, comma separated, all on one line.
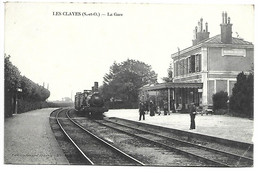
[(217, 62)]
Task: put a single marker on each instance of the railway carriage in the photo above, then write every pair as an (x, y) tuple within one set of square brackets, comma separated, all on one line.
[(90, 102)]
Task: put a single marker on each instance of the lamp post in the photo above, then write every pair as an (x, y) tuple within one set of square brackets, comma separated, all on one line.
[(16, 99)]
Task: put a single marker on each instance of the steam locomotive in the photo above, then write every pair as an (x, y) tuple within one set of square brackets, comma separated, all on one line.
[(90, 102)]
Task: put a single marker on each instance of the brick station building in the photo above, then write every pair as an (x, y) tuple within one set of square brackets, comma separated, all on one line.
[(210, 65)]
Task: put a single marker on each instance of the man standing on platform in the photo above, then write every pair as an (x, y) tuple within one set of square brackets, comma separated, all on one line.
[(141, 111), (152, 110), (192, 116), (165, 107)]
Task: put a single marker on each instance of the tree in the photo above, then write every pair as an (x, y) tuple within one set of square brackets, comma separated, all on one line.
[(12, 76), (11, 83), (125, 79), (170, 75), (242, 99), (19, 89)]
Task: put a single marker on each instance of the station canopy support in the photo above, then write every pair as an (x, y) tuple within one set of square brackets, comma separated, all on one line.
[(171, 85)]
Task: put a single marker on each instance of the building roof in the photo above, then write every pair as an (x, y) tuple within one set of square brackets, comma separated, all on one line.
[(169, 85), (214, 41), (217, 40)]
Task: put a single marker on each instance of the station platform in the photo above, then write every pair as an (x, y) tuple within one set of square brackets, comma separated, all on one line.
[(221, 126), (28, 139)]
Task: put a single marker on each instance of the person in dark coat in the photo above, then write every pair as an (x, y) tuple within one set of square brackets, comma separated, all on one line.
[(146, 108), (141, 111), (173, 106), (165, 107), (192, 116), (152, 110), (158, 110)]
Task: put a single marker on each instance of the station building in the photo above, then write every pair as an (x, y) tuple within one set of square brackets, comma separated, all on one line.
[(208, 66)]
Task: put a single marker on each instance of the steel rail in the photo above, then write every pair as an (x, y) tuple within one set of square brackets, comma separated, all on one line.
[(78, 148), (232, 155), (171, 147), (103, 141)]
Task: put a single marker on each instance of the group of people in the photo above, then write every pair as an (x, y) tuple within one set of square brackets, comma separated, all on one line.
[(143, 108), (152, 109)]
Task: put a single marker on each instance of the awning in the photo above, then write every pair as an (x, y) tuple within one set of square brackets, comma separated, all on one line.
[(172, 85)]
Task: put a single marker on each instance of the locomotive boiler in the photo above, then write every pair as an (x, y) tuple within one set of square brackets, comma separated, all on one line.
[(90, 102)]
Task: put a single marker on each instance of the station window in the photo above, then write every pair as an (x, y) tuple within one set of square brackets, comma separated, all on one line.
[(192, 64), (198, 63)]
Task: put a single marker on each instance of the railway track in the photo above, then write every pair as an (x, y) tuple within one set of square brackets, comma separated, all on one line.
[(150, 153), (206, 154), (228, 146), (93, 149), (147, 142)]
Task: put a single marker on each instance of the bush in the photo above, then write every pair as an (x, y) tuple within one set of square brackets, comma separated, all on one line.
[(121, 105), (25, 106), (59, 104), (220, 100), (221, 112), (242, 99)]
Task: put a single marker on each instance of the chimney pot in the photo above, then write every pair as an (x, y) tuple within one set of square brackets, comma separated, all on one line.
[(195, 33), (225, 17), (201, 24)]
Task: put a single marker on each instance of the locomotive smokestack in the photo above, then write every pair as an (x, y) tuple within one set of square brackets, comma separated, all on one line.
[(95, 86)]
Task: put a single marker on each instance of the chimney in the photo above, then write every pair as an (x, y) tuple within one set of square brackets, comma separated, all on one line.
[(199, 33), (226, 29), (195, 33)]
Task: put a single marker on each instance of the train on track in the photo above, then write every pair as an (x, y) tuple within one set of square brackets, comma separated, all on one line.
[(90, 103)]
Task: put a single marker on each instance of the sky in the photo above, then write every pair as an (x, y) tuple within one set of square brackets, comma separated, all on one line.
[(71, 52)]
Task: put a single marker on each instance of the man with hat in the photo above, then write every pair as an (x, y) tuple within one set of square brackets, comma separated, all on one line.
[(141, 111), (192, 115)]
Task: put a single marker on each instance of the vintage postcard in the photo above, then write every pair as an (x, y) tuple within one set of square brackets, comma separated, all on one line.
[(129, 84)]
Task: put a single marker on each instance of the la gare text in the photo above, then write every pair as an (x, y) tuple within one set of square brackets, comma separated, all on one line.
[(56, 13)]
